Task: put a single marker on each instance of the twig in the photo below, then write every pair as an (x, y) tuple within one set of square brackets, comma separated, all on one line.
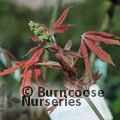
[(94, 108)]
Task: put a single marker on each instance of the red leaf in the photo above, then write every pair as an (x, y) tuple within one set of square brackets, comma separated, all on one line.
[(101, 39), (84, 52), (27, 79), (67, 84), (19, 62), (103, 55), (96, 76), (61, 19), (63, 62), (45, 28), (82, 84), (61, 29), (76, 88), (50, 64), (22, 75), (73, 54), (35, 48), (10, 70), (38, 73), (35, 58), (82, 78), (35, 38), (77, 58), (103, 34)]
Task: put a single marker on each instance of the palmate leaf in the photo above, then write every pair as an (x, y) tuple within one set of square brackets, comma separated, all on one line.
[(28, 64), (103, 55), (88, 38), (56, 26)]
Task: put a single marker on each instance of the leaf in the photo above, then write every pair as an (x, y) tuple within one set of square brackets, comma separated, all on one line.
[(76, 88), (103, 34), (50, 64), (22, 75), (38, 74), (19, 62), (101, 39), (67, 84), (27, 78), (62, 28), (72, 80), (96, 76), (61, 19), (63, 62), (82, 84), (77, 58), (69, 52), (68, 45), (84, 52), (35, 58), (35, 48), (103, 55), (45, 28), (35, 38), (82, 78), (10, 70)]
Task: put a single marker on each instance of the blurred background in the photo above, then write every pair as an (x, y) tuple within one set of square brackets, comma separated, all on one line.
[(86, 15)]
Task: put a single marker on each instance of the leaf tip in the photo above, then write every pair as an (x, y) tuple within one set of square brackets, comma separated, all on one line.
[(113, 64), (71, 6)]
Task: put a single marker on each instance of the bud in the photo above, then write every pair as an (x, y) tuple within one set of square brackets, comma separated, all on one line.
[(45, 36), (41, 38), (40, 29), (48, 34), (36, 25), (31, 24)]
